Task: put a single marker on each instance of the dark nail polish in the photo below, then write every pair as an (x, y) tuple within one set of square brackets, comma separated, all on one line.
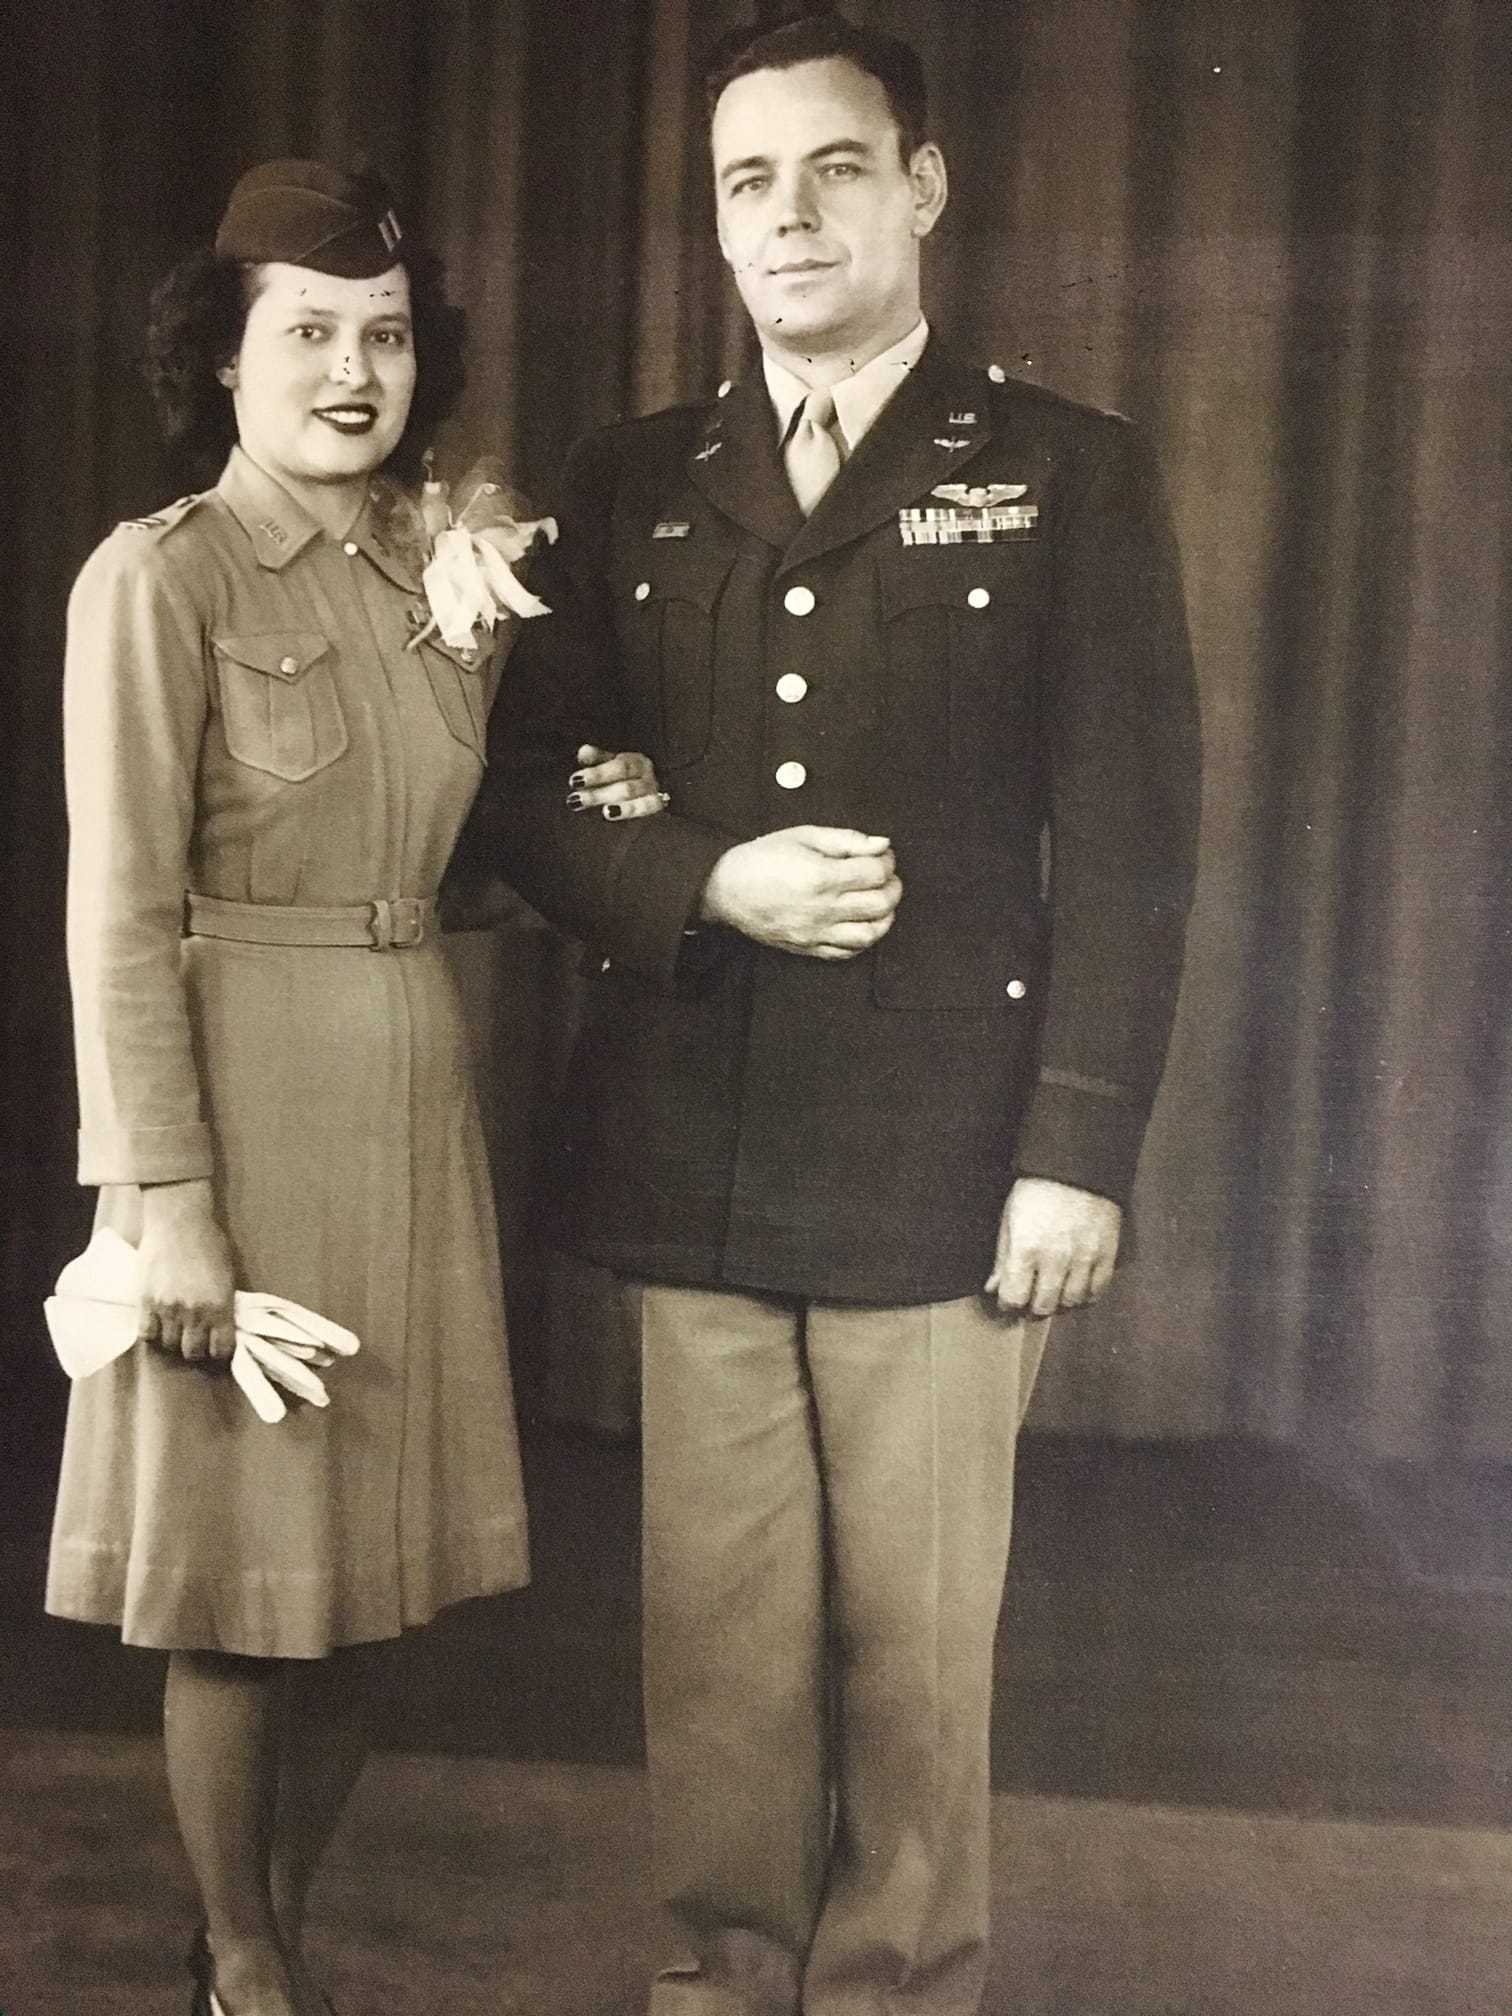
[(576, 780), (613, 811), (575, 800)]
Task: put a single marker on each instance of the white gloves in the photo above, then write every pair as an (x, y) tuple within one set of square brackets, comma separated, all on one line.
[(92, 1318)]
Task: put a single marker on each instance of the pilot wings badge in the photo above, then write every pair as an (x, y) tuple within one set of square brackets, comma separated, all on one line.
[(980, 497), (970, 514)]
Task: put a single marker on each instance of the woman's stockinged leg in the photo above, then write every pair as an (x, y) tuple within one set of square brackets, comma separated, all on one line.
[(220, 1724), (324, 1735)]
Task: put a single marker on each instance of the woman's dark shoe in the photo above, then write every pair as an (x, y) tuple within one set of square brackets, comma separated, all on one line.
[(201, 1970), (201, 1964), (198, 1959)]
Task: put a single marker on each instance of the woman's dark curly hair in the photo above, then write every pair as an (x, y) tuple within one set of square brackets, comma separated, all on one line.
[(195, 325)]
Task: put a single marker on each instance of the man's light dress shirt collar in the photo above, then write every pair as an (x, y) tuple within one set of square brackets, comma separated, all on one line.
[(858, 398)]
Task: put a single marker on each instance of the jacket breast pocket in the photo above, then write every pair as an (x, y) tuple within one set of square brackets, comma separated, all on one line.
[(280, 711), (668, 608), (960, 641), (458, 682)]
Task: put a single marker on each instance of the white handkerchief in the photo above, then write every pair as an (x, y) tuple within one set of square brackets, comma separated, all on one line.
[(92, 1318)]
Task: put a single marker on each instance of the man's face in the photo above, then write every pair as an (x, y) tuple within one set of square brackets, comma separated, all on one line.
[(819, 216)]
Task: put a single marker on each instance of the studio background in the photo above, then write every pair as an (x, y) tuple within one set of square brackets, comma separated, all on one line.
[(1275, 232)]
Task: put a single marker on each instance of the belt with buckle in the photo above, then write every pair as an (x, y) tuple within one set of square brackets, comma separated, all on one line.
[(387, 924)]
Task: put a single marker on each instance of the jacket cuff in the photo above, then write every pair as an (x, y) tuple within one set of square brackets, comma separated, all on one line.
[(147, 1154), (658, 901), (1082, 1133)]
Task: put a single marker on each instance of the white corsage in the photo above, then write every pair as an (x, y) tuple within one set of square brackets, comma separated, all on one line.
[(470, 547)]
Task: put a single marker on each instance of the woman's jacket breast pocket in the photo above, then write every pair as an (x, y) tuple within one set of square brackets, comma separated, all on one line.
[(280, 711), (457, 681), (668, 623), (960, 625)]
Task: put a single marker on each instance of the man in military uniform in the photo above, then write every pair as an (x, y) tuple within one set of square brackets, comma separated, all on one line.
[(882, 1007)]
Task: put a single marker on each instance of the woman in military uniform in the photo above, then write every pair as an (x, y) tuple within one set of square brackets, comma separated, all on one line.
[(270, 752)]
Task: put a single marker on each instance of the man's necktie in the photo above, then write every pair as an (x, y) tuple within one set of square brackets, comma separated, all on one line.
[(812, 454)]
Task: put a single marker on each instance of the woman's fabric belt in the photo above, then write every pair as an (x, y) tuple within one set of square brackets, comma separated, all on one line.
[(387, 924)]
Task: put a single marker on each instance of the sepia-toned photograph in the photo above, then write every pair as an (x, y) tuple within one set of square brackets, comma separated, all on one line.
[(757, 1075)]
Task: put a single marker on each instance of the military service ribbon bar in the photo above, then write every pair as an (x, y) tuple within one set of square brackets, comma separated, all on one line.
[(956, 527)]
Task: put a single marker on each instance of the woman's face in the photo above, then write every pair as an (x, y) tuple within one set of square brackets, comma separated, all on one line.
[(323, 380)]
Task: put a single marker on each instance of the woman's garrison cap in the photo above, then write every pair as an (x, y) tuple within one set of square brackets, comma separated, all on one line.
[(306, 214)]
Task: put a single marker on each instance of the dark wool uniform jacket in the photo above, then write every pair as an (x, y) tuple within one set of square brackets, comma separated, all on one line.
[(1016, 711)]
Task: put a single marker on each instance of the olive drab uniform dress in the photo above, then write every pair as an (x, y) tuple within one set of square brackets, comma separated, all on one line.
[(254, 757)]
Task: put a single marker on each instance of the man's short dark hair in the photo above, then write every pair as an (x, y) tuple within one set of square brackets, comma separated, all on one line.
[(811, 39)]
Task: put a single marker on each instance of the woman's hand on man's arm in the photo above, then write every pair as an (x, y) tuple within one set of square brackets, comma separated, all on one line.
[(616, 786)]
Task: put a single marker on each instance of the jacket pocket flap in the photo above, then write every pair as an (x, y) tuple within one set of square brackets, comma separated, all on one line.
[(284, 654), (676, 571), (469, 658)]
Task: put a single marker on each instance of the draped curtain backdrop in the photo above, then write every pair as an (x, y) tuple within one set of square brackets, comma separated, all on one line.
[(1277, 231)]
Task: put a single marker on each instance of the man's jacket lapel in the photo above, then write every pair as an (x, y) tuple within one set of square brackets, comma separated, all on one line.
[(933, 426), (737, 464)]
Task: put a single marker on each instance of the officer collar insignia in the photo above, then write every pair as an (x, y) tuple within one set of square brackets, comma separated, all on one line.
[(277, 526), (962, 428), (671, 528)]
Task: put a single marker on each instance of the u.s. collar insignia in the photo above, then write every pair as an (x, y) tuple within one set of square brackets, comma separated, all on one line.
[(671, 528), (981, 497)]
